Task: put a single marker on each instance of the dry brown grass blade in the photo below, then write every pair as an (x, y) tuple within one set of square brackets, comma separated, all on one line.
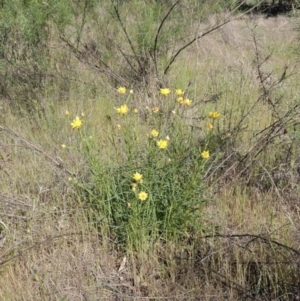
[(33, 246)]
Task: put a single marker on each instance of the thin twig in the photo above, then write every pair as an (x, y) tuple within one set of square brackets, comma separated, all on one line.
[(79, 33), (58, 163), (127, 35), (35, 245), (192, 41), (106, 69), (158, 32), (255, 236), (206, 33)]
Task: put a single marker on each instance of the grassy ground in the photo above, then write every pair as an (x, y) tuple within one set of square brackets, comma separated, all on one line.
[(248, 248)]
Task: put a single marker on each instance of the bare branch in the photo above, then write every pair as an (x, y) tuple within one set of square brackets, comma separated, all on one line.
[(58, 163), (126, 34), (158, 32), (214, 28)]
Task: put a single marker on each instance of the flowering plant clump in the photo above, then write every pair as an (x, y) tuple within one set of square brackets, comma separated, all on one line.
[(162, 144), (76, 123), (144, 186), (165, 91), (214, 115), (122, 90), (122, 110)]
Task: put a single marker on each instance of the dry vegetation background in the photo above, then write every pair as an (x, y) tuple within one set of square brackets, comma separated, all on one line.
[(249, 248)]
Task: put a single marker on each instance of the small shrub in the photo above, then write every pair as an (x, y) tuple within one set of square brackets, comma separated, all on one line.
[(151, 186)]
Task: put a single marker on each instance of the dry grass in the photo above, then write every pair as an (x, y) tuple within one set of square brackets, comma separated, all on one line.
[(50, 251)]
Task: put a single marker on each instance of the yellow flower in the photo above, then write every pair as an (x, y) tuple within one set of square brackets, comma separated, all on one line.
[(187, 102), (123, 110), (205, 154), (67, 113), (210, 126), (76, 123), (138, 177), (168, 138), (165, 91), (154, 133), (131, 91), (118, 126), (143, 196), (180, 99), (155, 109), (179, 92), (214, 115), (162, 144), (63, 146), (121, 90), (136, 110)]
